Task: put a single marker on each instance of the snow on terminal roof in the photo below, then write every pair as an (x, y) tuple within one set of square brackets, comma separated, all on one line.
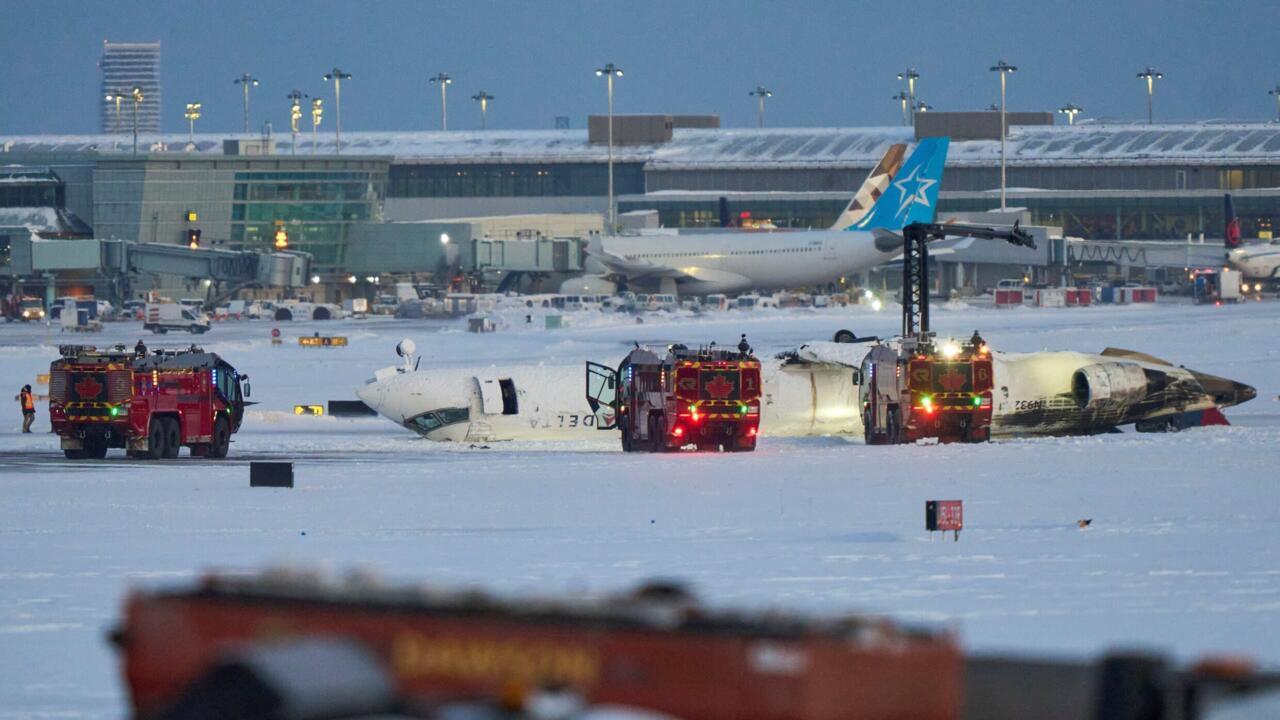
[(1085, 143)]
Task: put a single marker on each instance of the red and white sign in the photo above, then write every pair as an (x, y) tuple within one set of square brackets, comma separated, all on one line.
[(944, 515)]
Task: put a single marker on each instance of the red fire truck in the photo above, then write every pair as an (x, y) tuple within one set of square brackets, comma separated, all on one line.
[(656, 649), (665, 400), (917, 388), (150, 404), (290, 645)]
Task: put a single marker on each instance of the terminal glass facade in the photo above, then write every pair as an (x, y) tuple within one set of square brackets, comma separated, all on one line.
[(316, 209), (513, 180)]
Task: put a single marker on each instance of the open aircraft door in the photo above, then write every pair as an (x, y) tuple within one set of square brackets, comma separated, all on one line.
[(602, 395), (498, 397)]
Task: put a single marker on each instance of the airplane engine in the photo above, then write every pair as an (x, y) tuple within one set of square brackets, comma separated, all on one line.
[(1104, 384)]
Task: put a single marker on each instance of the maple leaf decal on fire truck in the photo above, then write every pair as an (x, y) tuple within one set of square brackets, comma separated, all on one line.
[(88, 388), (719, 387), (952, 380)]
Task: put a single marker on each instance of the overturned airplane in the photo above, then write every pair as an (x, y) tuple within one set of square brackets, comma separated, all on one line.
[(813, 391)]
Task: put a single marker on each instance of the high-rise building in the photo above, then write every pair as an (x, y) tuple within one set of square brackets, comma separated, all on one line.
[(126, 66)]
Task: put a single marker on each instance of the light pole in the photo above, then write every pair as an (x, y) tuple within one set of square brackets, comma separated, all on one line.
[(1276, 92), (1070, 111), (246, 80), (609, 72), (317, 113), (761, 92), (483, 98), (137, 100), (910, 75), (295, 114), (117, 97), (192, 115), (922, 106), (1004, 69), (445, 81), (904, 98), (1151, 75), (337, 76)]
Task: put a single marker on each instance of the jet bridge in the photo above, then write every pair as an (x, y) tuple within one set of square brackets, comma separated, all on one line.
[(123, 260)]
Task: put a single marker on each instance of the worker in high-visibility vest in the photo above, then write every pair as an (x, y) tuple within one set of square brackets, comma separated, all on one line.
[(28, 408)]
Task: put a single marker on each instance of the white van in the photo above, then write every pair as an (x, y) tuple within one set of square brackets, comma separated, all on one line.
[(663, 301), (160, 318)]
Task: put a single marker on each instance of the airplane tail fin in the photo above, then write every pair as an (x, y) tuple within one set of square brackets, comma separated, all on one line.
[(913, 195), (873, 187), (1231, 232)]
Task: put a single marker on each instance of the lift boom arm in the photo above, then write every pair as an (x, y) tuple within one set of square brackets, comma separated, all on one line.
[(915, 263)]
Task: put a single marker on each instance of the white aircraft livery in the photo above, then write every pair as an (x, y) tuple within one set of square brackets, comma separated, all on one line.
[(812, 391), (1256, 261), (737, 262)]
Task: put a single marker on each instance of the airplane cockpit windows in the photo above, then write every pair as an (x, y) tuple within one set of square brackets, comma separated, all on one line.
[(428, 421)]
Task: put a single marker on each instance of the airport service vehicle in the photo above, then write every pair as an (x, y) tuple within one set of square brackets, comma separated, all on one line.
[(160, 318), (29, 308), (944, 393), (663, 400), (655, 649), (1217, 286), (290, 644), (150, 405)]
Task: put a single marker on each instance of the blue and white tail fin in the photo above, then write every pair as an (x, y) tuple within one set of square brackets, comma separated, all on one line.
[(913, 194)]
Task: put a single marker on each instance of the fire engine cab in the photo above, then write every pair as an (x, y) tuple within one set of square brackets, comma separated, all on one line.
[(663, 400), (149, 404)]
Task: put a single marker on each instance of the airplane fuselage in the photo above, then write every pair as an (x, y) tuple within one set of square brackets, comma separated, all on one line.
[(738, 262), (1033, 395), (1256, 262)]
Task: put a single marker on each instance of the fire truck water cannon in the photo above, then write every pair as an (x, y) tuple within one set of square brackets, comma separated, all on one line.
[(663, 400), (149, 403), (916, 387)]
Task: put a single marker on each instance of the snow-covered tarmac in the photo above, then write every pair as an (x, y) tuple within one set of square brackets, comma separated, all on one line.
[(1182, 554)]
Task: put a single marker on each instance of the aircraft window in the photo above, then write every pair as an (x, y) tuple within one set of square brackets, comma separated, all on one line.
[(428, 421), (424, 423)]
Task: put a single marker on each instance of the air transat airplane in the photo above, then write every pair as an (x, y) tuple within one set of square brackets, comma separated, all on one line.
[(812, 392), (737, 262), (1256, 261)]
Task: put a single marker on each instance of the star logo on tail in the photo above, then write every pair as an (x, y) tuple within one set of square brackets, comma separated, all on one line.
[(918, 192)]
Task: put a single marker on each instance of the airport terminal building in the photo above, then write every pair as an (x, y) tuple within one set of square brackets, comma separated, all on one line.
[(1101, 181)]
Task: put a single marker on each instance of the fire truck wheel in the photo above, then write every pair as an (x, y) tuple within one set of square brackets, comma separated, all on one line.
[(221, 439), (657, 443), (626, 440), (74, 454), (894, 429), (172, 438), (95, 449), (156, 439)]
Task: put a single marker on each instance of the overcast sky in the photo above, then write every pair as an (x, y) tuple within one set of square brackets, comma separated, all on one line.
[(830, 63)]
